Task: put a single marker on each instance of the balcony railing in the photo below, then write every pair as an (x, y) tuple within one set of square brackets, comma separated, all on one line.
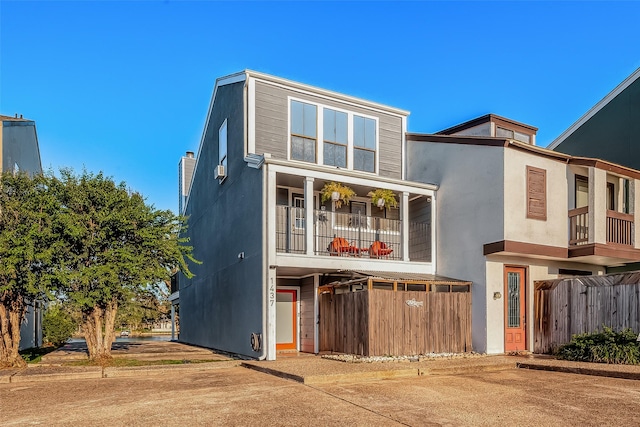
[(620, 227), (350, 235), (579, 226)]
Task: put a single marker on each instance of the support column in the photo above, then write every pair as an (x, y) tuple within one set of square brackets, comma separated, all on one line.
[(308, 215), (270, 262), (173, 322), (316, 314), (404, 215), (597, 205)]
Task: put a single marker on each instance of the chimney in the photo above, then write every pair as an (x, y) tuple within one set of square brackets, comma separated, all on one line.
[(20, 115), (16, 115), (190, 154)]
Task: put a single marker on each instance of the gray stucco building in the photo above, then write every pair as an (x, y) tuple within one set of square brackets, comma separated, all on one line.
[(258, 222)]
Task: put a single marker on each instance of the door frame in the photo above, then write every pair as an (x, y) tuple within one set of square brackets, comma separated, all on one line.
[(524, 292), (297, 323)]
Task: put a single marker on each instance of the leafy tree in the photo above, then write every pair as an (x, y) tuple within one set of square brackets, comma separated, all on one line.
[(58, 325), (27, 246), (115, 247)]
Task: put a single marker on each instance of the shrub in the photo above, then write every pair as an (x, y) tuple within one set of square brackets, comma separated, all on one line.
[(57, 326), (607, 346)]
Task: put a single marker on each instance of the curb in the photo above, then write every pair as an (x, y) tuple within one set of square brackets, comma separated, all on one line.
[(146, 371), (380, 374), (581, 371), (25, 376)]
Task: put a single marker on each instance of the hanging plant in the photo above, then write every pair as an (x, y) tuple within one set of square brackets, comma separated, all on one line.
[(337, 193), (383, 198)]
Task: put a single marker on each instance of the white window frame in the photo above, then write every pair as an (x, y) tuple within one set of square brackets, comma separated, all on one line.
[(320, 134), (223, 160)]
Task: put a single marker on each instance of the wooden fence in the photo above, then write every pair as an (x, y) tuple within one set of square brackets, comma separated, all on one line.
[(578, 306), (378, 322)]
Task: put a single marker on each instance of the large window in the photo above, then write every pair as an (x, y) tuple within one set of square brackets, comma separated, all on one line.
[(335, 138), (332, 137), (303, 131), (364, 144)]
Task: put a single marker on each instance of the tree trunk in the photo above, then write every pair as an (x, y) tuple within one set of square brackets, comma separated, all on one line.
[(97, 327), (12, 309)]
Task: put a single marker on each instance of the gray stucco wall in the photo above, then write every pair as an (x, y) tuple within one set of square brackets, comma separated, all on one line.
[(272, 126), (613, 133), (222, 305), (20, 145), (469, 209)]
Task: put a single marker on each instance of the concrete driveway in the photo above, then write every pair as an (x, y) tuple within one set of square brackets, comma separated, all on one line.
[(239, 396)]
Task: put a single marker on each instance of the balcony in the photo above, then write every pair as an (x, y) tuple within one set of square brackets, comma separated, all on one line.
[(350, 235), (619, 228)]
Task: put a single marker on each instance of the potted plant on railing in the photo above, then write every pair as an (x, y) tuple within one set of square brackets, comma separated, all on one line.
[(337, 193), (383, 198)]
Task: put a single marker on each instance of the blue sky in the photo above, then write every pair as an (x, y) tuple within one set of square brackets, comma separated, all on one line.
[(124, 87)]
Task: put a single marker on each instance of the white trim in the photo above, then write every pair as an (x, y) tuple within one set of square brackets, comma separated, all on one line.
[(403, 154), (434, 223), (320, 262), (298, 314), (251, 117), (326, 94), (592, 112), (350, 177), (222, 81)]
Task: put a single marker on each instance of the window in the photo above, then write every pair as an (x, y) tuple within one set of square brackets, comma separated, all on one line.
[(508, 133), (358, 214), (364, 144), (582, 191), (625, 196), (611, 196), (222, 145), (536, 193), (303, 131), (335, 138)]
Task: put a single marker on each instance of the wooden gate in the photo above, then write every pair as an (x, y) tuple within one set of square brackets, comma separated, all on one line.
[(378, 322)]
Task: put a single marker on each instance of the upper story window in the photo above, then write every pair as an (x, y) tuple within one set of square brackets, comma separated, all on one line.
[(303, 131), (335, 138), (222, 149), (511, 134), (364, 144), (582, 191)]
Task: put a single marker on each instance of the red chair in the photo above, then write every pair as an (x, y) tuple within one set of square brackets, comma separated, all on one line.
[(339, 246), (379, 249)]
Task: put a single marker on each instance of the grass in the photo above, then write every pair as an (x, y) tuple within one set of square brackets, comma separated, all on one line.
[(121, 362), (34, 354)]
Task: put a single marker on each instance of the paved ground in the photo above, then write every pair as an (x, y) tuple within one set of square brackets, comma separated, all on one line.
[(240, 396)]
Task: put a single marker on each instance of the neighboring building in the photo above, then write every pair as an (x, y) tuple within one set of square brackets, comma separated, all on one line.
[(610, 130), (510, 213), (258, 224), (19, 151), (186, 166)]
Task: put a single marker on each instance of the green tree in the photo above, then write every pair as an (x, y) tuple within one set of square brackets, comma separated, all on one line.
[(58, 325), (115, 247), (27, 246)]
